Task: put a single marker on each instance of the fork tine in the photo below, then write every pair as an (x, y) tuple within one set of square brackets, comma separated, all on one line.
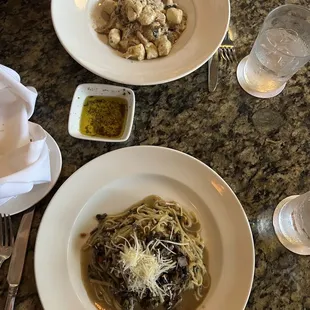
[(226, 53), (230, 53), (1, 231), (11, 231), (235, 54), (222, 54), (6, 231)]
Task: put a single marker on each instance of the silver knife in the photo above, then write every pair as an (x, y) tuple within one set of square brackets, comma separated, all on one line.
[(213, 72), (18, 258)]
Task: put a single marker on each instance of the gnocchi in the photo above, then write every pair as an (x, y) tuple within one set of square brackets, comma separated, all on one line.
[(150, 48), (142, 29), (164, 46), (174, 16), (135, 52), (147, 16), (108, 6), (114, 37), (133, 9)]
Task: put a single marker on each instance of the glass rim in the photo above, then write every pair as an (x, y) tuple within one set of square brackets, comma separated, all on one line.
[(296, 6)]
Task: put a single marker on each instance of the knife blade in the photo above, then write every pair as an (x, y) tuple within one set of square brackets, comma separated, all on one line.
[(213, 67), (18, 258)]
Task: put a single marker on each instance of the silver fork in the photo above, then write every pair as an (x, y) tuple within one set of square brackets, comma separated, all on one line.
[(227, 49), (6, 238)]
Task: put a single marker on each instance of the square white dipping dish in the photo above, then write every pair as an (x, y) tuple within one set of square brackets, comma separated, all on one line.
[(85, 90)]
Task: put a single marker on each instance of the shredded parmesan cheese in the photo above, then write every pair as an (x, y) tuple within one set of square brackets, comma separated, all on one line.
[(142, 269)]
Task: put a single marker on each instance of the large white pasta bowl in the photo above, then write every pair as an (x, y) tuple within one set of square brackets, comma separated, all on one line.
[(207, 24)]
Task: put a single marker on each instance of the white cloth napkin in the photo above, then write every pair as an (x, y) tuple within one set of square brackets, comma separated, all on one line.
[(24, 155)]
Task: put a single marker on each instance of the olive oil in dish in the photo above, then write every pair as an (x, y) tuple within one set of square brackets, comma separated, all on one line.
[(104, 116)]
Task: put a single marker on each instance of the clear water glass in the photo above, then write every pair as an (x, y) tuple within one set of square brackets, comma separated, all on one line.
[(291, 221), (280, 50)]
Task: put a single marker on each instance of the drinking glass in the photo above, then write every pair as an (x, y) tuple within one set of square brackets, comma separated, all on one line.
[(291, 221), (280, 50)]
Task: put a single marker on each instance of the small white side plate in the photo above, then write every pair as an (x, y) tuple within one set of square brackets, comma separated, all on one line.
[(25, 201), (85, 90)]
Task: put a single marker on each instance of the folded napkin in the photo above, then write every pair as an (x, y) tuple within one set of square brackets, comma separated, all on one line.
[(24, 155)]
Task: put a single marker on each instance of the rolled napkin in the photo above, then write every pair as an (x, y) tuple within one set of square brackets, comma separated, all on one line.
[(24, 155)]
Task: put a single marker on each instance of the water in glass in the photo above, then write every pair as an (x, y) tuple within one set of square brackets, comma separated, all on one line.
[(276, 56)]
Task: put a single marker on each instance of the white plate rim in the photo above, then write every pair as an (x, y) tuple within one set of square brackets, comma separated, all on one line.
[(55, 154), (39, 249)]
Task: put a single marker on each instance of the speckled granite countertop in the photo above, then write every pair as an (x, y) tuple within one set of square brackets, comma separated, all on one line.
[(260, 147)]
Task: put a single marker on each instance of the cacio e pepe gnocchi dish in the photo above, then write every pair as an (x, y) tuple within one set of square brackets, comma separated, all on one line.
[(141, 29)]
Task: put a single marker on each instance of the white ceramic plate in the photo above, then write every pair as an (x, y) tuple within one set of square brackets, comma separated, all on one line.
[(25, 201), (114, 181), (207, 24)]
